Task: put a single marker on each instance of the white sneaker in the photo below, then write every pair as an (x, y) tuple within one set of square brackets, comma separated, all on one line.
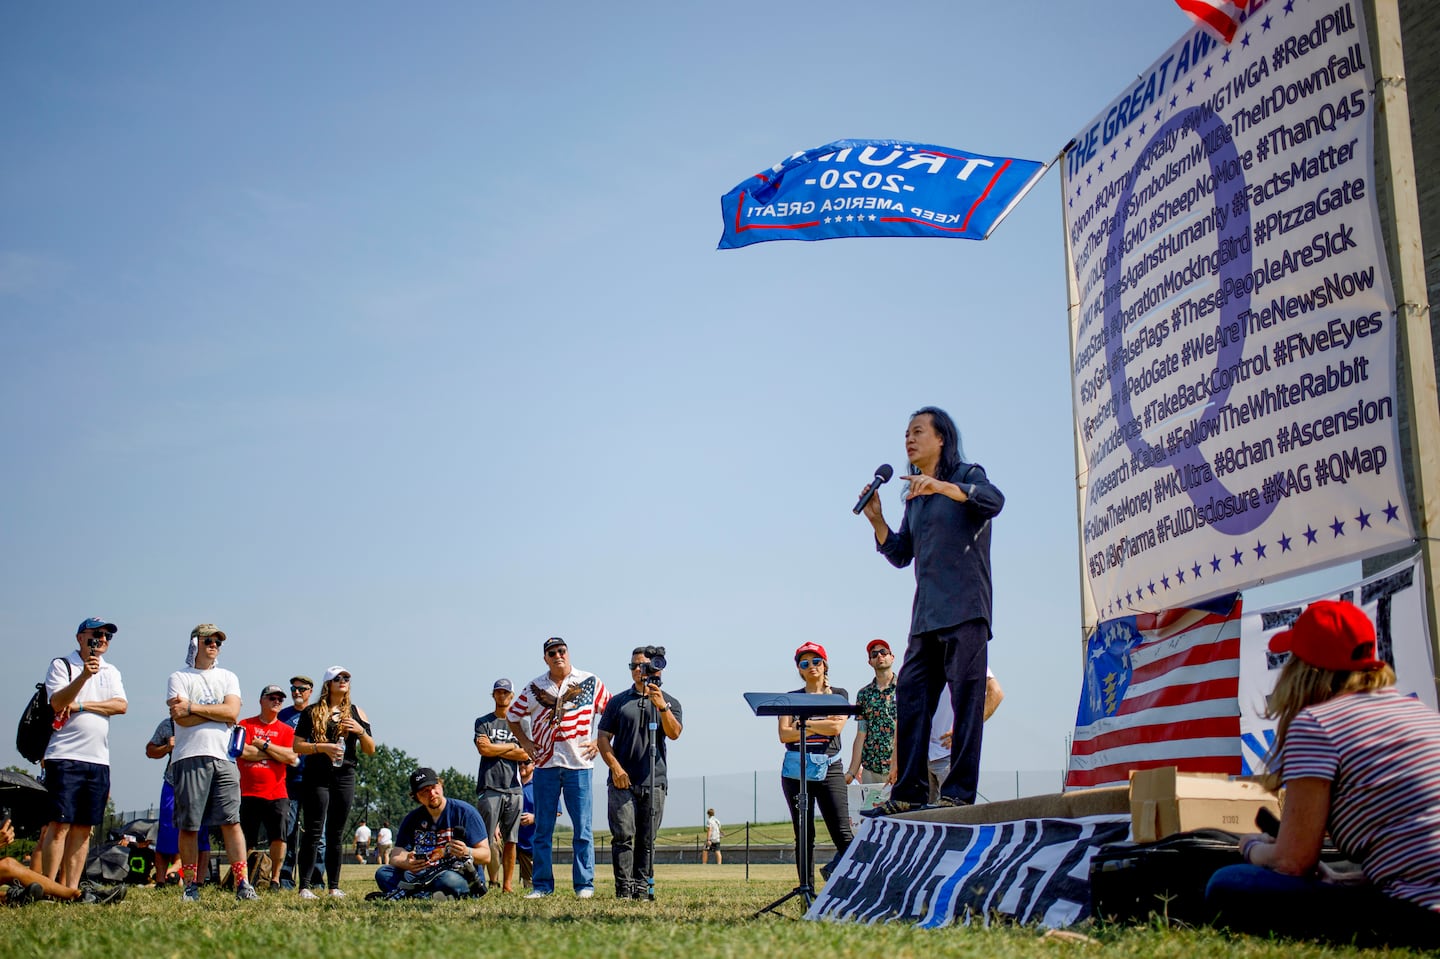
[(307, 894), (536, 894), (337, 894), (585, 894)]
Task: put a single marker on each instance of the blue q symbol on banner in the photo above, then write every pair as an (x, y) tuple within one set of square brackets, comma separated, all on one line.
[(1108, 668)]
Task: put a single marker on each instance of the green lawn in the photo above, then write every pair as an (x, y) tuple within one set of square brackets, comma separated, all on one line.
[(700, 912)]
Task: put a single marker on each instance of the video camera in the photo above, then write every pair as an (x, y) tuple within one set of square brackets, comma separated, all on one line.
[(656, 655)]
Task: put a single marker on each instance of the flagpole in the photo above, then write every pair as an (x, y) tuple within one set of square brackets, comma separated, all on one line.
[(1039, 175), (1088, 614), (1407, 265)]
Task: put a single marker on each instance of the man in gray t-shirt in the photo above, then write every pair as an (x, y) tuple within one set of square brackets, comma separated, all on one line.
[(500, 799)]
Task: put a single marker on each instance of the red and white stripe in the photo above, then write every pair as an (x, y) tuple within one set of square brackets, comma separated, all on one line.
[(1220, 18), (1180, 708)]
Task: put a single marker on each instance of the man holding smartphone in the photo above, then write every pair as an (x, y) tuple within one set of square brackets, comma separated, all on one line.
[(85, 691)]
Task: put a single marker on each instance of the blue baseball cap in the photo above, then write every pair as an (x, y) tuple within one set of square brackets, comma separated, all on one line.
[(503, 684), (97, 623)]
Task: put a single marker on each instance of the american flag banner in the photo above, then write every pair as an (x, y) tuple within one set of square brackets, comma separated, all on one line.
[(1219, 17), (1160, 690)]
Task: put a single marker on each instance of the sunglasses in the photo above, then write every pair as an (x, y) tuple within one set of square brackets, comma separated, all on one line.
[(807, 663), (342, 678), (635, 666), (557, 651), (212, 641), (278, 697), (299, 689), (102, 634), (881, 652)]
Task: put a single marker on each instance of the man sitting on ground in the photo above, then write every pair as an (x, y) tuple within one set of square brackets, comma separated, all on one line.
[(440, 830)]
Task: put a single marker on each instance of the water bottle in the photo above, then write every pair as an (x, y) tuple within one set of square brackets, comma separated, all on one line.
[(237, 741), (339, 738)]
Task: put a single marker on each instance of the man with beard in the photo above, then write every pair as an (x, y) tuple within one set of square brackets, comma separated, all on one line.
[(438, 830)]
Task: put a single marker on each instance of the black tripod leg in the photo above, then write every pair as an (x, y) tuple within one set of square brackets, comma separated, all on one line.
[(803, 864)]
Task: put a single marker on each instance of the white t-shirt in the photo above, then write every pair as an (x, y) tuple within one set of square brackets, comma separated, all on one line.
[(944, 721), (362, 835), (202, 687), (85, 737), (712, 829), (386, 839)]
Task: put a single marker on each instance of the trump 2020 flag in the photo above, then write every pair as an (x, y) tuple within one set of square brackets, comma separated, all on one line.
[(1160, 690), (876, 188)]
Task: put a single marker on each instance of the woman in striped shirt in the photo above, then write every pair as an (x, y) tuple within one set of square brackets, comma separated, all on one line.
[(1360, 760)]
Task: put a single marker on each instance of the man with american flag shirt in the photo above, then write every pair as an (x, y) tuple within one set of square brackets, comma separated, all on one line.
[(563, 705)]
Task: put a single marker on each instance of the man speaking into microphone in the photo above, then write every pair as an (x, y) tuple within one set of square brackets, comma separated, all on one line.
[(946, 533)]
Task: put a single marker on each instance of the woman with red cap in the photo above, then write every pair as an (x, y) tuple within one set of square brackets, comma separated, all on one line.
[(822, 745), (1357, 759)]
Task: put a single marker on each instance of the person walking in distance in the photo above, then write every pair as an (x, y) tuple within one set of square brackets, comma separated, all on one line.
[(712, 839)]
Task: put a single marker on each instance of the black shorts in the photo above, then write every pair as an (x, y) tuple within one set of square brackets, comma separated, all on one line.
[(78, 791), (269, 813)]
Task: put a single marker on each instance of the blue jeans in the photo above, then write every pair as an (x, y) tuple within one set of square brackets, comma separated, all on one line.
[(574, 784), (1259, 901), (450, 882)]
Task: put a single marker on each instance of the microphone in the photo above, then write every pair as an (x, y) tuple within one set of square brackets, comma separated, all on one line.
[(882, 476)]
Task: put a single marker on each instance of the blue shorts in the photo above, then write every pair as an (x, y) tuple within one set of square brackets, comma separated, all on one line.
[(167, 840), (78, 791)]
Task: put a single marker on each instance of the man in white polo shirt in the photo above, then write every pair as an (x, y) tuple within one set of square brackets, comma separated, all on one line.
[(85, 691)]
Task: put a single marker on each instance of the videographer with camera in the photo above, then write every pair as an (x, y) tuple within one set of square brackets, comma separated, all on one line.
[(631, 745), (442, 849)]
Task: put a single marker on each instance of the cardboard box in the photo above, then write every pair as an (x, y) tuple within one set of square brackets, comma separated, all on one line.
[(1166, 801)]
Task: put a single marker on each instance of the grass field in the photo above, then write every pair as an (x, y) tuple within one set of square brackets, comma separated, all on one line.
[(699, 912)]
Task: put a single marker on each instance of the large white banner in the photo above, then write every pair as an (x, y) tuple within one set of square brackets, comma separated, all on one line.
[(1395, 602), (1234, 339)]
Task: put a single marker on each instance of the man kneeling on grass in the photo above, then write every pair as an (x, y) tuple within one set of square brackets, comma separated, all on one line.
[(442, 848)]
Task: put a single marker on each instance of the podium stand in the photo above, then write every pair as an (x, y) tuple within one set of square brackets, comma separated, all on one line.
[(804, 707)]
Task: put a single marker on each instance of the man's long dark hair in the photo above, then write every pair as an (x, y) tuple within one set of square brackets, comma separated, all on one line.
[(952, 454)]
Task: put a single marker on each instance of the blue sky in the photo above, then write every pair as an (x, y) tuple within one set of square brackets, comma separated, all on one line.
[(398, 339)]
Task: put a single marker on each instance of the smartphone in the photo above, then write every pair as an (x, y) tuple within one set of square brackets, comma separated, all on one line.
[(1267, 822)]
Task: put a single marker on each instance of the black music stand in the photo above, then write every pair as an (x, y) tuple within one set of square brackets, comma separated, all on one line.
[(804, 707)]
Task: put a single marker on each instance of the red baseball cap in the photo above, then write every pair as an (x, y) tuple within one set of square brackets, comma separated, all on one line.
[(1331, 635), (870, 646), (812, 648)]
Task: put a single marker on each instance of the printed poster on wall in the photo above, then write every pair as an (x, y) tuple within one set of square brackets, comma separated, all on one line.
[(1395, 602), (1234, 335)]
